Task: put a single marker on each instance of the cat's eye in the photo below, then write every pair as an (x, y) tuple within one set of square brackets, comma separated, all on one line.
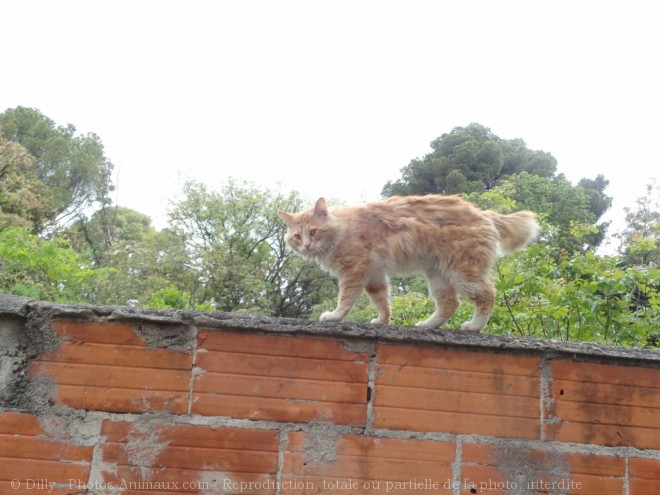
[(312, 232), (297, 237)]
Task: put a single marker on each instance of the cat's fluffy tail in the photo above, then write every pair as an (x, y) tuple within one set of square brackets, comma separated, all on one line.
[(516, 230)]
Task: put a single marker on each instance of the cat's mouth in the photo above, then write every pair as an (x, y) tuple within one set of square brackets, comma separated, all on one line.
[(308, 251)]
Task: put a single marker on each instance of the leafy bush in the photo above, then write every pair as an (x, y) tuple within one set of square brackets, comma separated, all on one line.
[(45, 269)]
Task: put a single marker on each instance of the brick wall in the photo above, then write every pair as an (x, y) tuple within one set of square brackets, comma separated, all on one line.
[(107, 400)]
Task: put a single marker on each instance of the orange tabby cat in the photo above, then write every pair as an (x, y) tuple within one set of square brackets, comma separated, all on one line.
[(450, 241)]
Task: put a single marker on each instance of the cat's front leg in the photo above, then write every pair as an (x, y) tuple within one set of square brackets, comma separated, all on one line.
[(378, 291), (349, 291)]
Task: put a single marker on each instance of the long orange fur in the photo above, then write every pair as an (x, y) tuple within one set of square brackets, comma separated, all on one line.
[(450, 241)]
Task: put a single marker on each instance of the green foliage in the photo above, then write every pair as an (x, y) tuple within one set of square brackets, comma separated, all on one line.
[(640, 240), (411, 307), (469, 159), (72, 169), (107, 229), (44, 269), (475, 161), (599, 202), (169, 298), (23, 197), (240, 261), (141, 261), (583, 297)]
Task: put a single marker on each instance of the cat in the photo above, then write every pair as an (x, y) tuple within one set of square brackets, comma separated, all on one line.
[(449, 240)]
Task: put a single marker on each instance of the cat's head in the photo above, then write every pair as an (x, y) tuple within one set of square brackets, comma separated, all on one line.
[(309, 232)]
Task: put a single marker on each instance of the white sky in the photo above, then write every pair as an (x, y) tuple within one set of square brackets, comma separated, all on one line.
[(333, 98)]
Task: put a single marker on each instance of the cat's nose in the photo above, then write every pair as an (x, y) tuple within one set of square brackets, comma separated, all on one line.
[(306, 245)]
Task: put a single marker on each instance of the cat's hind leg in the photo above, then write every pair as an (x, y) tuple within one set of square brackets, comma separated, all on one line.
[(378, 291), (483, 296), (446, 302)]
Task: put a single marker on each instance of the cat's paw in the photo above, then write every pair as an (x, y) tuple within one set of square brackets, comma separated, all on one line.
[(433, 322), (469, 326), (378, 321), (330, 316)]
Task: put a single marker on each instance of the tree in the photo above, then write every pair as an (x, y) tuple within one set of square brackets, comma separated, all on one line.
[(106, 228), (599, 203), (23, 200), (140, 261), (46, 269), (640, 240), (469, 159), (236, 245), (72, 168), (473, 160)]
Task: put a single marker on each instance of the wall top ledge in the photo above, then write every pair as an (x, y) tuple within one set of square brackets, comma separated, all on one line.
[(19, 307)]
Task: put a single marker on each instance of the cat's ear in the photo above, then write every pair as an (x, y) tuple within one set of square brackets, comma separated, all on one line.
[(320, 209), (287, 217)]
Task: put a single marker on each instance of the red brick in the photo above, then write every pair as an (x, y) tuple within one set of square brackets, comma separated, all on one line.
[(644, 476), (367, 465), (480, 381), (107, 367), (455, 391), (161, 454), (607, 374), (464, 403), (500, 470), (303, 389), (591, 412), (35, 459), (280, 378), (461, 360), (604, 404), (83, 332), (126, 377), (275, 345), (15, 423), (282, 366), (622, 395), (92, 353)]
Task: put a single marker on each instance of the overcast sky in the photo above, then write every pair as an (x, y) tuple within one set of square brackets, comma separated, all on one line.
[(334, 98)]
